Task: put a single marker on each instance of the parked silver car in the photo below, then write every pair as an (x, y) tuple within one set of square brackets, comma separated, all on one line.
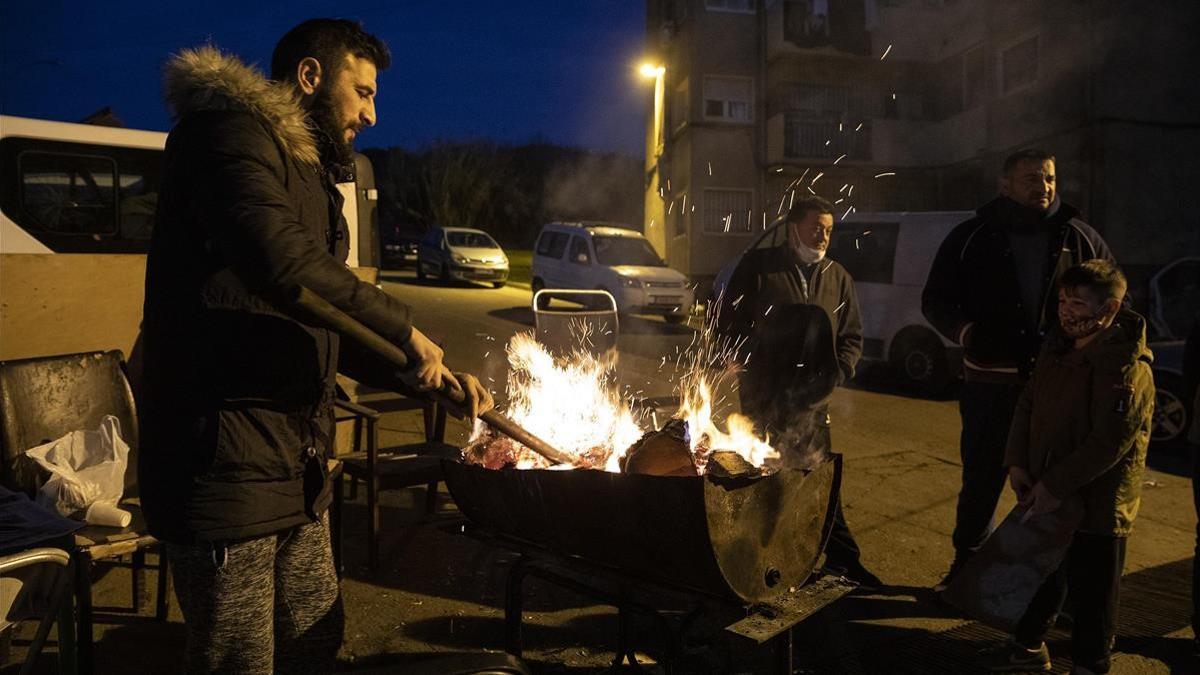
[(462, 254)]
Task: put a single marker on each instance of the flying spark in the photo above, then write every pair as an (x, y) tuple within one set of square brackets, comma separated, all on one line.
[(885, 173), (886, 52)]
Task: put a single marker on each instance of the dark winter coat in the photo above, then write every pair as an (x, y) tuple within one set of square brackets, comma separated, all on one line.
[(770, 278), (237, 399), (973, 282), (1082, 423)]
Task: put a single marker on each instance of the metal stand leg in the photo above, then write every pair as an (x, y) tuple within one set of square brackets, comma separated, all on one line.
[(513, 607), (431, 498), (783, 653), (163, 601)]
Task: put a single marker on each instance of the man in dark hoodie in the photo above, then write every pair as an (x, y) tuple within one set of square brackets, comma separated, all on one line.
[(237, 402), (990, 289), (1080, 432)]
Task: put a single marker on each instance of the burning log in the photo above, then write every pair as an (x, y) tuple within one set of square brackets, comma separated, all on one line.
[(662, 453)]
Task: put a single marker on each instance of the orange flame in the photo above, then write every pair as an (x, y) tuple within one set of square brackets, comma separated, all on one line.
[(574, 404)]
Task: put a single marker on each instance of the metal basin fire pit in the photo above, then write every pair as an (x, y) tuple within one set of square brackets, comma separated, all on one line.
[(744, 540)]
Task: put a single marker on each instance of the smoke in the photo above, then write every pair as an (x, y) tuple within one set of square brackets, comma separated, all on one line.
[(595, 187)]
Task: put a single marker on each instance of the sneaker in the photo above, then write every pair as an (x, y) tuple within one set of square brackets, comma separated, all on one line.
[(955, 567), (855, 572), (1011, 657)]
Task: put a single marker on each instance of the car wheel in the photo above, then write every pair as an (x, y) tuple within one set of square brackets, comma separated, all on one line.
[(420, 271), (674, 319), (444, 273), (544, 301), (1172, 415), (497, 284), (919, 360)]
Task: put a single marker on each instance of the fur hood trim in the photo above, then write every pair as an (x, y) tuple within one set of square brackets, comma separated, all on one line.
[(204, 78)]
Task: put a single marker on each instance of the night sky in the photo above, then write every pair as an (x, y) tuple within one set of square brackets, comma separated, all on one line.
[(515, 71)]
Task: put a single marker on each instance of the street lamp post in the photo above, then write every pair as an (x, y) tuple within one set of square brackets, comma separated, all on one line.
[(654, 225)]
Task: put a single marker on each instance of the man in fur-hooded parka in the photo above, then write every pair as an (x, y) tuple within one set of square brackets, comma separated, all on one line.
[(237, 402)]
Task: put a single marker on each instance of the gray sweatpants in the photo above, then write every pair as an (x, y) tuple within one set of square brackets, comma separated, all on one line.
[(264, 605)]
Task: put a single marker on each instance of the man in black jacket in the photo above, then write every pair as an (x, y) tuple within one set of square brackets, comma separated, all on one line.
[(990, 289), (754, 306), (238, 394)]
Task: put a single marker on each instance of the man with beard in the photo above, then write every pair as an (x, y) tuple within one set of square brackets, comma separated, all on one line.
[(990, 289), (757, 305), (237, 406)]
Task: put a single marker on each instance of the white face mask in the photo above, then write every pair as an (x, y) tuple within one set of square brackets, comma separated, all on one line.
[(809, 255)]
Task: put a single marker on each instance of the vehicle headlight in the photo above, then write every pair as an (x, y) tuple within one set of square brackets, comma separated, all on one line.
[(462, 260), (630, 282)]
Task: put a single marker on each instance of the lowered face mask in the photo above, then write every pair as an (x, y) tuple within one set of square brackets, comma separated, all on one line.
[(809, 255)]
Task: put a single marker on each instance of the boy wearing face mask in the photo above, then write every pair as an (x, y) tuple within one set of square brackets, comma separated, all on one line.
[(1081, 429)]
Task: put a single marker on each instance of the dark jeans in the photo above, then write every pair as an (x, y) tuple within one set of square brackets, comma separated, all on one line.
[(1093, 571), (987, 412), (841, 550)]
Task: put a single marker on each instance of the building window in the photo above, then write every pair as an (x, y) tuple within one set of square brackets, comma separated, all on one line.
[(974, 77), (728, 99), (739, 6), (679, 210), (679, 106), (806, 22), (727, 211), (1019, 65), (808, 138)]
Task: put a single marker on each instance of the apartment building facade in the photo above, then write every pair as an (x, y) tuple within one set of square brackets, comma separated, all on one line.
[(894, 105)]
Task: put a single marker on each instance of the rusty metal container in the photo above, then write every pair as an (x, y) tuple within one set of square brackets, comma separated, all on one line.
[(738, 539)]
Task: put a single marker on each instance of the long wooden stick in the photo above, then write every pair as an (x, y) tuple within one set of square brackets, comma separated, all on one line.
[(335, 319)]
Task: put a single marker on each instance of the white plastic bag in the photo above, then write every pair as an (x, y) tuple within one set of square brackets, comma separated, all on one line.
[(87, 473)]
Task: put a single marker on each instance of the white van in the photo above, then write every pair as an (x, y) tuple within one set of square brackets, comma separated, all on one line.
[(606, 256), (83, 188), (889, 254)]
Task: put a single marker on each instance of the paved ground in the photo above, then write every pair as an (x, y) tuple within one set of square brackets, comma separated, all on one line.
[(438, 592)]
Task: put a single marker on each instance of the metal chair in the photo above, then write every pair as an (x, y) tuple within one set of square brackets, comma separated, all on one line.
[(46, 573), (42, 399), (591, 324), (391, 468)]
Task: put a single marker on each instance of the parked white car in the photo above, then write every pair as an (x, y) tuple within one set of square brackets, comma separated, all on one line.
[(889, 254), (611, 258), (461, 254)]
